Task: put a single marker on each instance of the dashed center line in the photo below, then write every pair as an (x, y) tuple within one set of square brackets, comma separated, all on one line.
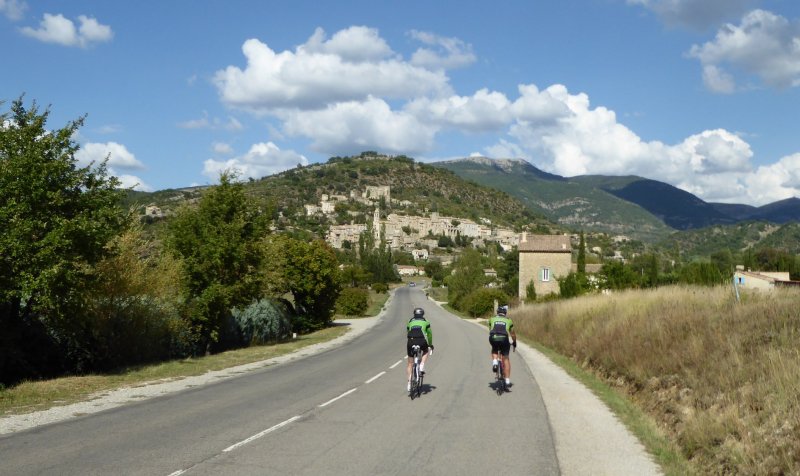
[(375, 377), (259, 435), (337, 398), (396, 364)]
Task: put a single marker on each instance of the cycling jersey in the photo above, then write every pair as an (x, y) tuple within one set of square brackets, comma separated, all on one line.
[(500, 328), (420, 328)]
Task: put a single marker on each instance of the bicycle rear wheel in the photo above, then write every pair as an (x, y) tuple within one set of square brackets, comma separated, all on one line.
[(501, 381), (413, 392)]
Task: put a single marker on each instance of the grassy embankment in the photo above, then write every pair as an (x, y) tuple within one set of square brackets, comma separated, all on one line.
[(38, 395), (715, 384)]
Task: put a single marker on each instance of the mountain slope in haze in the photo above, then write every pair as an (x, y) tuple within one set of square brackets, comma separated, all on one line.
[(783, 211), (675, 207), (563, 200)]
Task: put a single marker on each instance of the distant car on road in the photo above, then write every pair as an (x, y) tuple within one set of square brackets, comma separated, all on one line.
[(412, 284)]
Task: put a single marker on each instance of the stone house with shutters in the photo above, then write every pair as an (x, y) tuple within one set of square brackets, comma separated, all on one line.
[(543, 259)]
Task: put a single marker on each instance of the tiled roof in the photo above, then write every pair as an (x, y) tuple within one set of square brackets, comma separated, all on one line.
[(545, 243)]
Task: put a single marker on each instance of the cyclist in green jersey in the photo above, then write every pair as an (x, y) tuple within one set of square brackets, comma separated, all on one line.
[(418, 333), (500, 328)]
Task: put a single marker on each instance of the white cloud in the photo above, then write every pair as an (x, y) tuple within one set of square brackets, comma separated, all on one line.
[(119, 158), (450, 53), (61, 30), (134, 182), (777, 181), (482, 111), (118, 155), (222, 148), (14, 10), (232, 124), (763, 44), (261, 160), (351, 66), (717, 80), (352, 127), (698, 14)]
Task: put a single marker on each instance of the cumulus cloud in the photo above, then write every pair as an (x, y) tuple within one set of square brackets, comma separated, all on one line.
[(261, 160), (119, 158), (697, 14), (14, 10), (763, 44), (351, 66), (61, 30), (351, 127), (482, 111), (441, 52), (118, 155)]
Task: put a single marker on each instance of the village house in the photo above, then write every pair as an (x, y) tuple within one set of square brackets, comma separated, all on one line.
[(542, 260), (409, 270), (761, 280)]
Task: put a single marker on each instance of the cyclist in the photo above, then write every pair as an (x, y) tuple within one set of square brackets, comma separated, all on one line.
[(500, 328), (419, 333)]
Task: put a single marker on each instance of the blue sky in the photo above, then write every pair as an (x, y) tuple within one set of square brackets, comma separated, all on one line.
[(702, 94)]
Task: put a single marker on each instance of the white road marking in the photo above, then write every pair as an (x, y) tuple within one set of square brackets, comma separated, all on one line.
[(396, 363), (177, 473), (375, 377), (259, 435), (337, 398)]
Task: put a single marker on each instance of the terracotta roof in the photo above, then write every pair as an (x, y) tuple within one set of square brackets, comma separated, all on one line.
[(545, 243)]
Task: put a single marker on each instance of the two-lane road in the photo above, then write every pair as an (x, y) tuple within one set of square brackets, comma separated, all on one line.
[(344, 411)]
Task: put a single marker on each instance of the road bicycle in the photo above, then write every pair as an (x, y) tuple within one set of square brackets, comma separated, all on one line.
[(500, 386), (416, 375)]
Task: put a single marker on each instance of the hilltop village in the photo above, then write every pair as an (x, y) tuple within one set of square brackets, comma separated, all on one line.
[(406, 232)]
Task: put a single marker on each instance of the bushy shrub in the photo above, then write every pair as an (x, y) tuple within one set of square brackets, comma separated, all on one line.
[(530, 292), (380, 288), (481, 301), (264, 321), (353, 302)]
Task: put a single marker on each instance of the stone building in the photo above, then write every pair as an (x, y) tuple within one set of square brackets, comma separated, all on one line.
[(543, 259)]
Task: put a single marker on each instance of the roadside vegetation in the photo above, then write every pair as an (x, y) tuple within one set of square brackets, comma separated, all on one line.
[(36, 395), (720, 378)]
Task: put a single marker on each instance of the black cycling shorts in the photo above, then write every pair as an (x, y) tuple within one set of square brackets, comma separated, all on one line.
[(420, 341), (500, 345)]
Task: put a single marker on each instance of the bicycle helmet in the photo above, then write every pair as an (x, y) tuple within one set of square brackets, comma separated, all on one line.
[(502, 310), (419, 312)]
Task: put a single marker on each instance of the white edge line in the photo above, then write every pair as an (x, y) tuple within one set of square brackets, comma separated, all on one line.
[(396, 363), (259, 435), (375, 377), (337, 398), (177, 473)]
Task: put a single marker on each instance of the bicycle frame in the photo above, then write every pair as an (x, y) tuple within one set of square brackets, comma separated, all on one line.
[(416, 377)]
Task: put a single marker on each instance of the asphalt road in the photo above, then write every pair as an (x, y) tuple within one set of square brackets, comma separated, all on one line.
[(341, 411)]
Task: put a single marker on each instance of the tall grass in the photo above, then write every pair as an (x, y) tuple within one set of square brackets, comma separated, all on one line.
[(721, 377)]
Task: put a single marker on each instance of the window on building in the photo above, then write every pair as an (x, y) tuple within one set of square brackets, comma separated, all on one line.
[(545, 274)]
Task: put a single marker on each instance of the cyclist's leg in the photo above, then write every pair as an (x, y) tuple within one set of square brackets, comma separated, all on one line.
[(425, 351), (506, 361)]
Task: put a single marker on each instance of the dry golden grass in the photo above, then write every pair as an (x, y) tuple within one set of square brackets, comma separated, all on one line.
[(722, 378), (31, 396)]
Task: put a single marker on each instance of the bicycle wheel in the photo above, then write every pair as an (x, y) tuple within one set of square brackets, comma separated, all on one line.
[(413, 392), (501, 381), (419, 385)]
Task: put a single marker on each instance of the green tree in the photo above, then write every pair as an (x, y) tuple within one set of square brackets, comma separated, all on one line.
[(218, 241), (312, 277), (618, 276), (467, 276), (582, 255), (56, 220)]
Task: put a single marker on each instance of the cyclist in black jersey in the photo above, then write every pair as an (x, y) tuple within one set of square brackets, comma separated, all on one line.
[(418, 332)]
